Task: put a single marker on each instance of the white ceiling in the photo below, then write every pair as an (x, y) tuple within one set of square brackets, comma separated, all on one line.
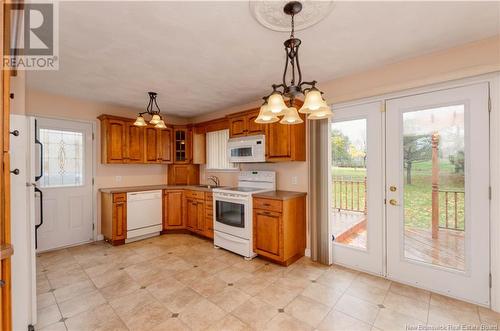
[(206, 56)]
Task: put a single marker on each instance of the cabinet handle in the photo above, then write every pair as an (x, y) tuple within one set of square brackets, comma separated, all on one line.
[(266, 204), (266, 213)]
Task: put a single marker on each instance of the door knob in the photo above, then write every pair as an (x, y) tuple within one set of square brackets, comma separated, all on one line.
[(393, 202), (15, 171)]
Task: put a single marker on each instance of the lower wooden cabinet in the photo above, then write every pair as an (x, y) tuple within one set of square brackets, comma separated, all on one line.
[(195, 215), (114, 217), (173, 216), (279, 228)]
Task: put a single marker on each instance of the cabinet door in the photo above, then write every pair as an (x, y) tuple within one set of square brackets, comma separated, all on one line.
[(252, 127), (119, 220), (172, 210), (191, 214), (200, 216), (165, 153), (278, 141), (134, 144), (181, 146), (115, 141), (237, 126), (151, 145), (267, 237)]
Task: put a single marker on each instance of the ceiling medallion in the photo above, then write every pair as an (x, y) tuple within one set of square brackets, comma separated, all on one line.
[(271, 15), (292, 85), (152, 110)]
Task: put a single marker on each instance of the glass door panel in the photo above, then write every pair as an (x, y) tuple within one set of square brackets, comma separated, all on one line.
[(356, 186), (437, 176)]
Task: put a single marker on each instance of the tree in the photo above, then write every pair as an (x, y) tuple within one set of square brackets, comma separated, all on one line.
[(416, 148), (458, 160), (340, 148)]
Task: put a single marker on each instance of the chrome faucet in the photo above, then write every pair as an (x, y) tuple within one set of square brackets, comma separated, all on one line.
[(214, 179)]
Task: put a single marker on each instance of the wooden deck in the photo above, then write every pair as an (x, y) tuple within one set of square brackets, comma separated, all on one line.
[(446, 251)]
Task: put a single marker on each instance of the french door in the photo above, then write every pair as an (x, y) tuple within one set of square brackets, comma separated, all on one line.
[(437, 184), (356, 182), (65, 182), (410, 190)]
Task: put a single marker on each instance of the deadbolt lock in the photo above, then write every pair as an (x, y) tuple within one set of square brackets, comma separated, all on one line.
[(393, 202), (392, 188)]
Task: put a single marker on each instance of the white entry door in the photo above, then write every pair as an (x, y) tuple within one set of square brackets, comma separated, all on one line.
[(66, 183), (437, 191), (356, 204)]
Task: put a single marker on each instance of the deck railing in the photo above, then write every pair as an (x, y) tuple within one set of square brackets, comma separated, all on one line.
[(349, 194), (452, 210)]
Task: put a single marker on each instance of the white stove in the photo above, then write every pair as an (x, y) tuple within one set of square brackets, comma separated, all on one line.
[(233, 216)]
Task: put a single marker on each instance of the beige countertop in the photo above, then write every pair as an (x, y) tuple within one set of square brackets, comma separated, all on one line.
[(279, 195), (154, 187)]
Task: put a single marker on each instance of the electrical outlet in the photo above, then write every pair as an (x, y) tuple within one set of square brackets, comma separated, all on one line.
[(295, 180), (118, 179)]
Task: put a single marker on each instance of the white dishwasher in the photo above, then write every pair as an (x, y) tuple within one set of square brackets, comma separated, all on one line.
[(144, 214)]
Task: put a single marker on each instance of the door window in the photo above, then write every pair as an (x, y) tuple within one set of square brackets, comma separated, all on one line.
[(62, 158), (230, 213)]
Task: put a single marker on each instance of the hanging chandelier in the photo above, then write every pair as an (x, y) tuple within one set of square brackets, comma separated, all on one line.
[(152, 110), (274, 104)]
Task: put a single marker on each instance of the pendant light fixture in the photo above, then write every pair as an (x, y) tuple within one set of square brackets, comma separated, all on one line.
[(153, 110), (274, 104)]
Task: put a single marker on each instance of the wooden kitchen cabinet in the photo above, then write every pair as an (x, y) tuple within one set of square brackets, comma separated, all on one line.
[(165, 154), (113, 139), (194, 214), (134, 143), (182, 145), (279, 228), (114, 217), (243, 124), (173, 207), (183, 174), (152, 144), (286, 142)]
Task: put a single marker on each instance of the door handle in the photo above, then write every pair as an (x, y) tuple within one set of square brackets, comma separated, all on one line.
[(15, 172), (393, 202), (41, 216), (38, 142)]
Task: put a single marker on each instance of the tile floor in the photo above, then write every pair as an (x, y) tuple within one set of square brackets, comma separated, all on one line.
[(180, 282)]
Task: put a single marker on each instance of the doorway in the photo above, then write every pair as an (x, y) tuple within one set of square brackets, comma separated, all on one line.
[(65, 162), (419, 213)]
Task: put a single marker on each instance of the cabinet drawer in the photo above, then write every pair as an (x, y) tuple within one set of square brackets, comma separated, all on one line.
[(195, 194), (209, 196), (267, 204), (209, 213), (119, 197)]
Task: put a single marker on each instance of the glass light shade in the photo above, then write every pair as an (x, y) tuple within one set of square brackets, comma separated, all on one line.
[(313, 101), (276, 104), (265, 116), (323, 112), (139, 121), (291, 117), (155, 119), (160, 125)]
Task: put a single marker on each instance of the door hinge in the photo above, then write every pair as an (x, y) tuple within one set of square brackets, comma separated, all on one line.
[(489, 103), (93, 181), (491, 281), (489, 192), (93, 136), (93, 226), (382, 107)]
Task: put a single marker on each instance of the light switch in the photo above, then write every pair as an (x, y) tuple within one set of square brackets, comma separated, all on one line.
[(295, 180), (118, 179)]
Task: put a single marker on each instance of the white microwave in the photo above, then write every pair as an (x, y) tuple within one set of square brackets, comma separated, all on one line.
[(247, 149)]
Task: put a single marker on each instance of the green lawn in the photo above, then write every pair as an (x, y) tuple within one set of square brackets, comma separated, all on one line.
[(418, 195)]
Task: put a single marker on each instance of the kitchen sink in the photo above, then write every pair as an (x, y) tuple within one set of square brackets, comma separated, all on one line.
[(207, 186)]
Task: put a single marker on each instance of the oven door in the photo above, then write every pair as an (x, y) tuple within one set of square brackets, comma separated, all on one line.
[(231, 217)]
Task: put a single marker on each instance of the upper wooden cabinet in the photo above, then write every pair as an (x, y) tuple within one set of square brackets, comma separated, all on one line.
[(286, 142), (243, 124), (113, 137), (183, 174), (134, 143), (182, 138), (123, 142)]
